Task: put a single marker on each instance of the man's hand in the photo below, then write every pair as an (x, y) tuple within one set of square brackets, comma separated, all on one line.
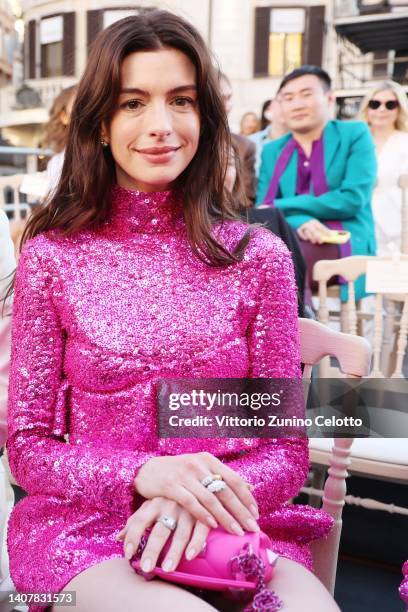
[(313, 231)]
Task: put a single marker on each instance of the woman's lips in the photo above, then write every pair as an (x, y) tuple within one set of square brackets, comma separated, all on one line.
[(158, 155)]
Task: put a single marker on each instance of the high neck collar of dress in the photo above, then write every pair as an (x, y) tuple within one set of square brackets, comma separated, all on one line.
[(148, 213)]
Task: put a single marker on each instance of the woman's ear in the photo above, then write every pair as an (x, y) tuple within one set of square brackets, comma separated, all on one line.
[(104, 132), (64, 117)]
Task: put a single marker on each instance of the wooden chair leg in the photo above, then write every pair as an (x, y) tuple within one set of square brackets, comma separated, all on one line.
[(317, 482), (389, 339)]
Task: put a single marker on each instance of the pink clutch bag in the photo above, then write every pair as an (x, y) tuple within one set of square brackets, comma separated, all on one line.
[(239, 565)]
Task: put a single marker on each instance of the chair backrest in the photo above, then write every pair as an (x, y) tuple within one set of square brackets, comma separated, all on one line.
[(351, 268), (354, 355), (403, 183)]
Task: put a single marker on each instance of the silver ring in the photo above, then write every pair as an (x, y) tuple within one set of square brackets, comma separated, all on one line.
[(216, 486), (207, 480), (168, 521)]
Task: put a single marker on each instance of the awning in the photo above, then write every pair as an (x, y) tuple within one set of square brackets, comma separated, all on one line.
[(381, 32)]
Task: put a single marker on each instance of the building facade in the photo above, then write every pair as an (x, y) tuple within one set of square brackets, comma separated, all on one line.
[(8, 44), (255, 42)]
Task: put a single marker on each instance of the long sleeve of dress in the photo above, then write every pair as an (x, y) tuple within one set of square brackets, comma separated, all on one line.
[(41, 461), (278, 468)]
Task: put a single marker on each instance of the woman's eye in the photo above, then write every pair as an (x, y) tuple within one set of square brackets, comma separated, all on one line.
[(183, 101), (131, 105)]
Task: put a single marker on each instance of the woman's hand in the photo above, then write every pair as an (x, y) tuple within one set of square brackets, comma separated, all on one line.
[(188, 532), (179, 478), (313, 231)]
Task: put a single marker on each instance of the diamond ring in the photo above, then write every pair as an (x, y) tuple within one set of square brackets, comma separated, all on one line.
[(209, 479), (168, 521), (216, 486)]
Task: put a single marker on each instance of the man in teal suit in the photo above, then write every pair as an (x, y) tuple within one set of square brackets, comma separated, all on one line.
[(321, 174)]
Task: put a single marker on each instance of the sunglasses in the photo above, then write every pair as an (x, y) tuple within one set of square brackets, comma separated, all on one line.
[(389, 104)]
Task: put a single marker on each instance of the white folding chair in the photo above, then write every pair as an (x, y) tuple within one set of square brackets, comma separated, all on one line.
[(403, 183), (389, 349), (354, 355), (385, 459)]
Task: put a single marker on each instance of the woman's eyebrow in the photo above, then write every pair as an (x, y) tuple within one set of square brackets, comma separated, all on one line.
[(142, 92)]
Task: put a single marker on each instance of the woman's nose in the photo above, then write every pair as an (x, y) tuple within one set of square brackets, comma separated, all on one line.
[(159, 121)]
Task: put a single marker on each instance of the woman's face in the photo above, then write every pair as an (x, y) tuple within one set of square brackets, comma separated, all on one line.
[(249, 124), (155, 130), (383, 117)]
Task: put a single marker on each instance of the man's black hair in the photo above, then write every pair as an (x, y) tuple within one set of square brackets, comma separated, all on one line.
[(304, 70)]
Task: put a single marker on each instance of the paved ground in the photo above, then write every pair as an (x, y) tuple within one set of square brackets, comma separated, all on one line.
[(361, 588)]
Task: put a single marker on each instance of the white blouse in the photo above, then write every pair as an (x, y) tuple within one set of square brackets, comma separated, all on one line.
[(7, 265), (386, 202)]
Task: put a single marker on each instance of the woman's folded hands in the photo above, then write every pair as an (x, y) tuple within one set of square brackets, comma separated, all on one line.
[(179, 503)]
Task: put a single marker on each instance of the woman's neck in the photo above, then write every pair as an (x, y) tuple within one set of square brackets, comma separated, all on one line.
[(381, 135)]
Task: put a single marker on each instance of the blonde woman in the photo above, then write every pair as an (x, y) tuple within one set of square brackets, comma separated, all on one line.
[(385, 109)]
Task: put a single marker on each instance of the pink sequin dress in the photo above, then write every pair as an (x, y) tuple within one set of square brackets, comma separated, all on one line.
[(403, 589), (98, 319)]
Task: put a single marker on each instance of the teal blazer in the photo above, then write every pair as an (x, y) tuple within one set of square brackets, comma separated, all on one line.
[(351, 172)]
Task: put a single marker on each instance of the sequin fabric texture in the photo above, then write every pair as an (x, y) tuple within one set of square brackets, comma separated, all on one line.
[(403, 589), (98, 319)]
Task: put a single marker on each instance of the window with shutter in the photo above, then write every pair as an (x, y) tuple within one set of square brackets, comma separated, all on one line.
[(380, 68), (31, 55), (286, 38), (93, 26), (51, 41), (68, 46), (278, 40), (313, 51), (98, 20)]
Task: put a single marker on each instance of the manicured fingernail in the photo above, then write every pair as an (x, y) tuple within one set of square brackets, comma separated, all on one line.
[(212, 522), (254, 511), (190, 553), (168, 565), (129, 550), (237, 529), (252, 525), (146, 565)]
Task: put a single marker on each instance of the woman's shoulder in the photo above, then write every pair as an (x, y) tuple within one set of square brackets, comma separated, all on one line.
[(50, 245), (401, 137)]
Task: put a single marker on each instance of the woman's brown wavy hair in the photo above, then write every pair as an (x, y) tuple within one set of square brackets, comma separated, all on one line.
[(83, 196)]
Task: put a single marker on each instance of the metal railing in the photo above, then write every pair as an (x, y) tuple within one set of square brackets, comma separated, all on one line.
[(32, 155)]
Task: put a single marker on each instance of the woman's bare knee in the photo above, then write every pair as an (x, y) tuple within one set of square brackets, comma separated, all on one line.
[(113, 585), (299, 589)]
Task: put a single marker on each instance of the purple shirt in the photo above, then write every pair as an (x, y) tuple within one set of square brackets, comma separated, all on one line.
[(310, 170)]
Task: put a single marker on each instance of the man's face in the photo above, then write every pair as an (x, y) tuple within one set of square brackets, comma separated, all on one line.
[(226, 95), (305, 104)]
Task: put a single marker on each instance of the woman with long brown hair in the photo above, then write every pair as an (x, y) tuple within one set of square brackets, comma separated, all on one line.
[(137, 269)]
